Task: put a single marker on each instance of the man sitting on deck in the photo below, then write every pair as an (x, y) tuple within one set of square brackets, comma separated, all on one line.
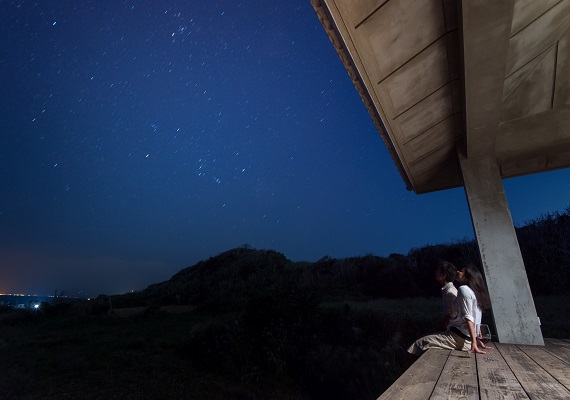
[(462, 331)]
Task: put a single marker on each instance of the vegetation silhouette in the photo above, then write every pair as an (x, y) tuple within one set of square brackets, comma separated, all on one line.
[(228, 281)]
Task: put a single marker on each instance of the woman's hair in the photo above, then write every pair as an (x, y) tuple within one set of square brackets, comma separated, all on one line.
[(448, 269), (477, 284)]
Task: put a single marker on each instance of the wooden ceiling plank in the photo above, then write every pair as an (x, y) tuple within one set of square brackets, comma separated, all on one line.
[(536, 37), (561, 96), (426, 114), (537, 135), (527, 11)]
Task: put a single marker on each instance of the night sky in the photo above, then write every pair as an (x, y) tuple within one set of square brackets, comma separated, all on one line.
[(140, 137)]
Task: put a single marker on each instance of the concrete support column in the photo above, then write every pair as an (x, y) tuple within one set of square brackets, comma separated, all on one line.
[(513, 307)]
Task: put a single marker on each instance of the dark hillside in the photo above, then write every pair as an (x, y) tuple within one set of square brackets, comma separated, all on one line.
[(223, 283), (228, 281)]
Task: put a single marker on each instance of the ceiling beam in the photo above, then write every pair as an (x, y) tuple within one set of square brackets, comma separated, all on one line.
[(485, 29)]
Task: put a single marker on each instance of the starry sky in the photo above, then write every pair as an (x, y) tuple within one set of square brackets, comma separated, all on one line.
[(140, 137)]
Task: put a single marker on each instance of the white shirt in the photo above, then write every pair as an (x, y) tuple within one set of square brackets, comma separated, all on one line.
[(467, 309)]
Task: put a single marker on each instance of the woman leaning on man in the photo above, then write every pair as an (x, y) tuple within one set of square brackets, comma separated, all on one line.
[(461, 334)]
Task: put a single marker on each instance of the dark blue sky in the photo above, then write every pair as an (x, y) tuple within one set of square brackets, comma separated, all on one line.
[(139, 137)]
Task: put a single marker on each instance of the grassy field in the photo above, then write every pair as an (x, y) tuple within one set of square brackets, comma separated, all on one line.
[(150, 356), (554, 314), (86, 357)]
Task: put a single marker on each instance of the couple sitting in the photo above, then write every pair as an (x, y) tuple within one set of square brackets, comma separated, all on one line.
[(463, 309)]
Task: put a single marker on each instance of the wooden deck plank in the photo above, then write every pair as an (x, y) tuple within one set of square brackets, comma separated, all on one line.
[(558, 342), (419, 380), (458, 380), (537, 383), (496, 380), (508, 372), (561, 352), (559, 369)]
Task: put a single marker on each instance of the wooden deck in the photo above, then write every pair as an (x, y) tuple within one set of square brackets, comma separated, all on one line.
[(507, 372)]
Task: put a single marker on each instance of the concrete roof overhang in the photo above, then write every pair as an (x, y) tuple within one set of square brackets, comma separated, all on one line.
[(484, 78)]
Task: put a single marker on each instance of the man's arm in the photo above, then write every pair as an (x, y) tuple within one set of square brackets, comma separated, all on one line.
[(450, 311)]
